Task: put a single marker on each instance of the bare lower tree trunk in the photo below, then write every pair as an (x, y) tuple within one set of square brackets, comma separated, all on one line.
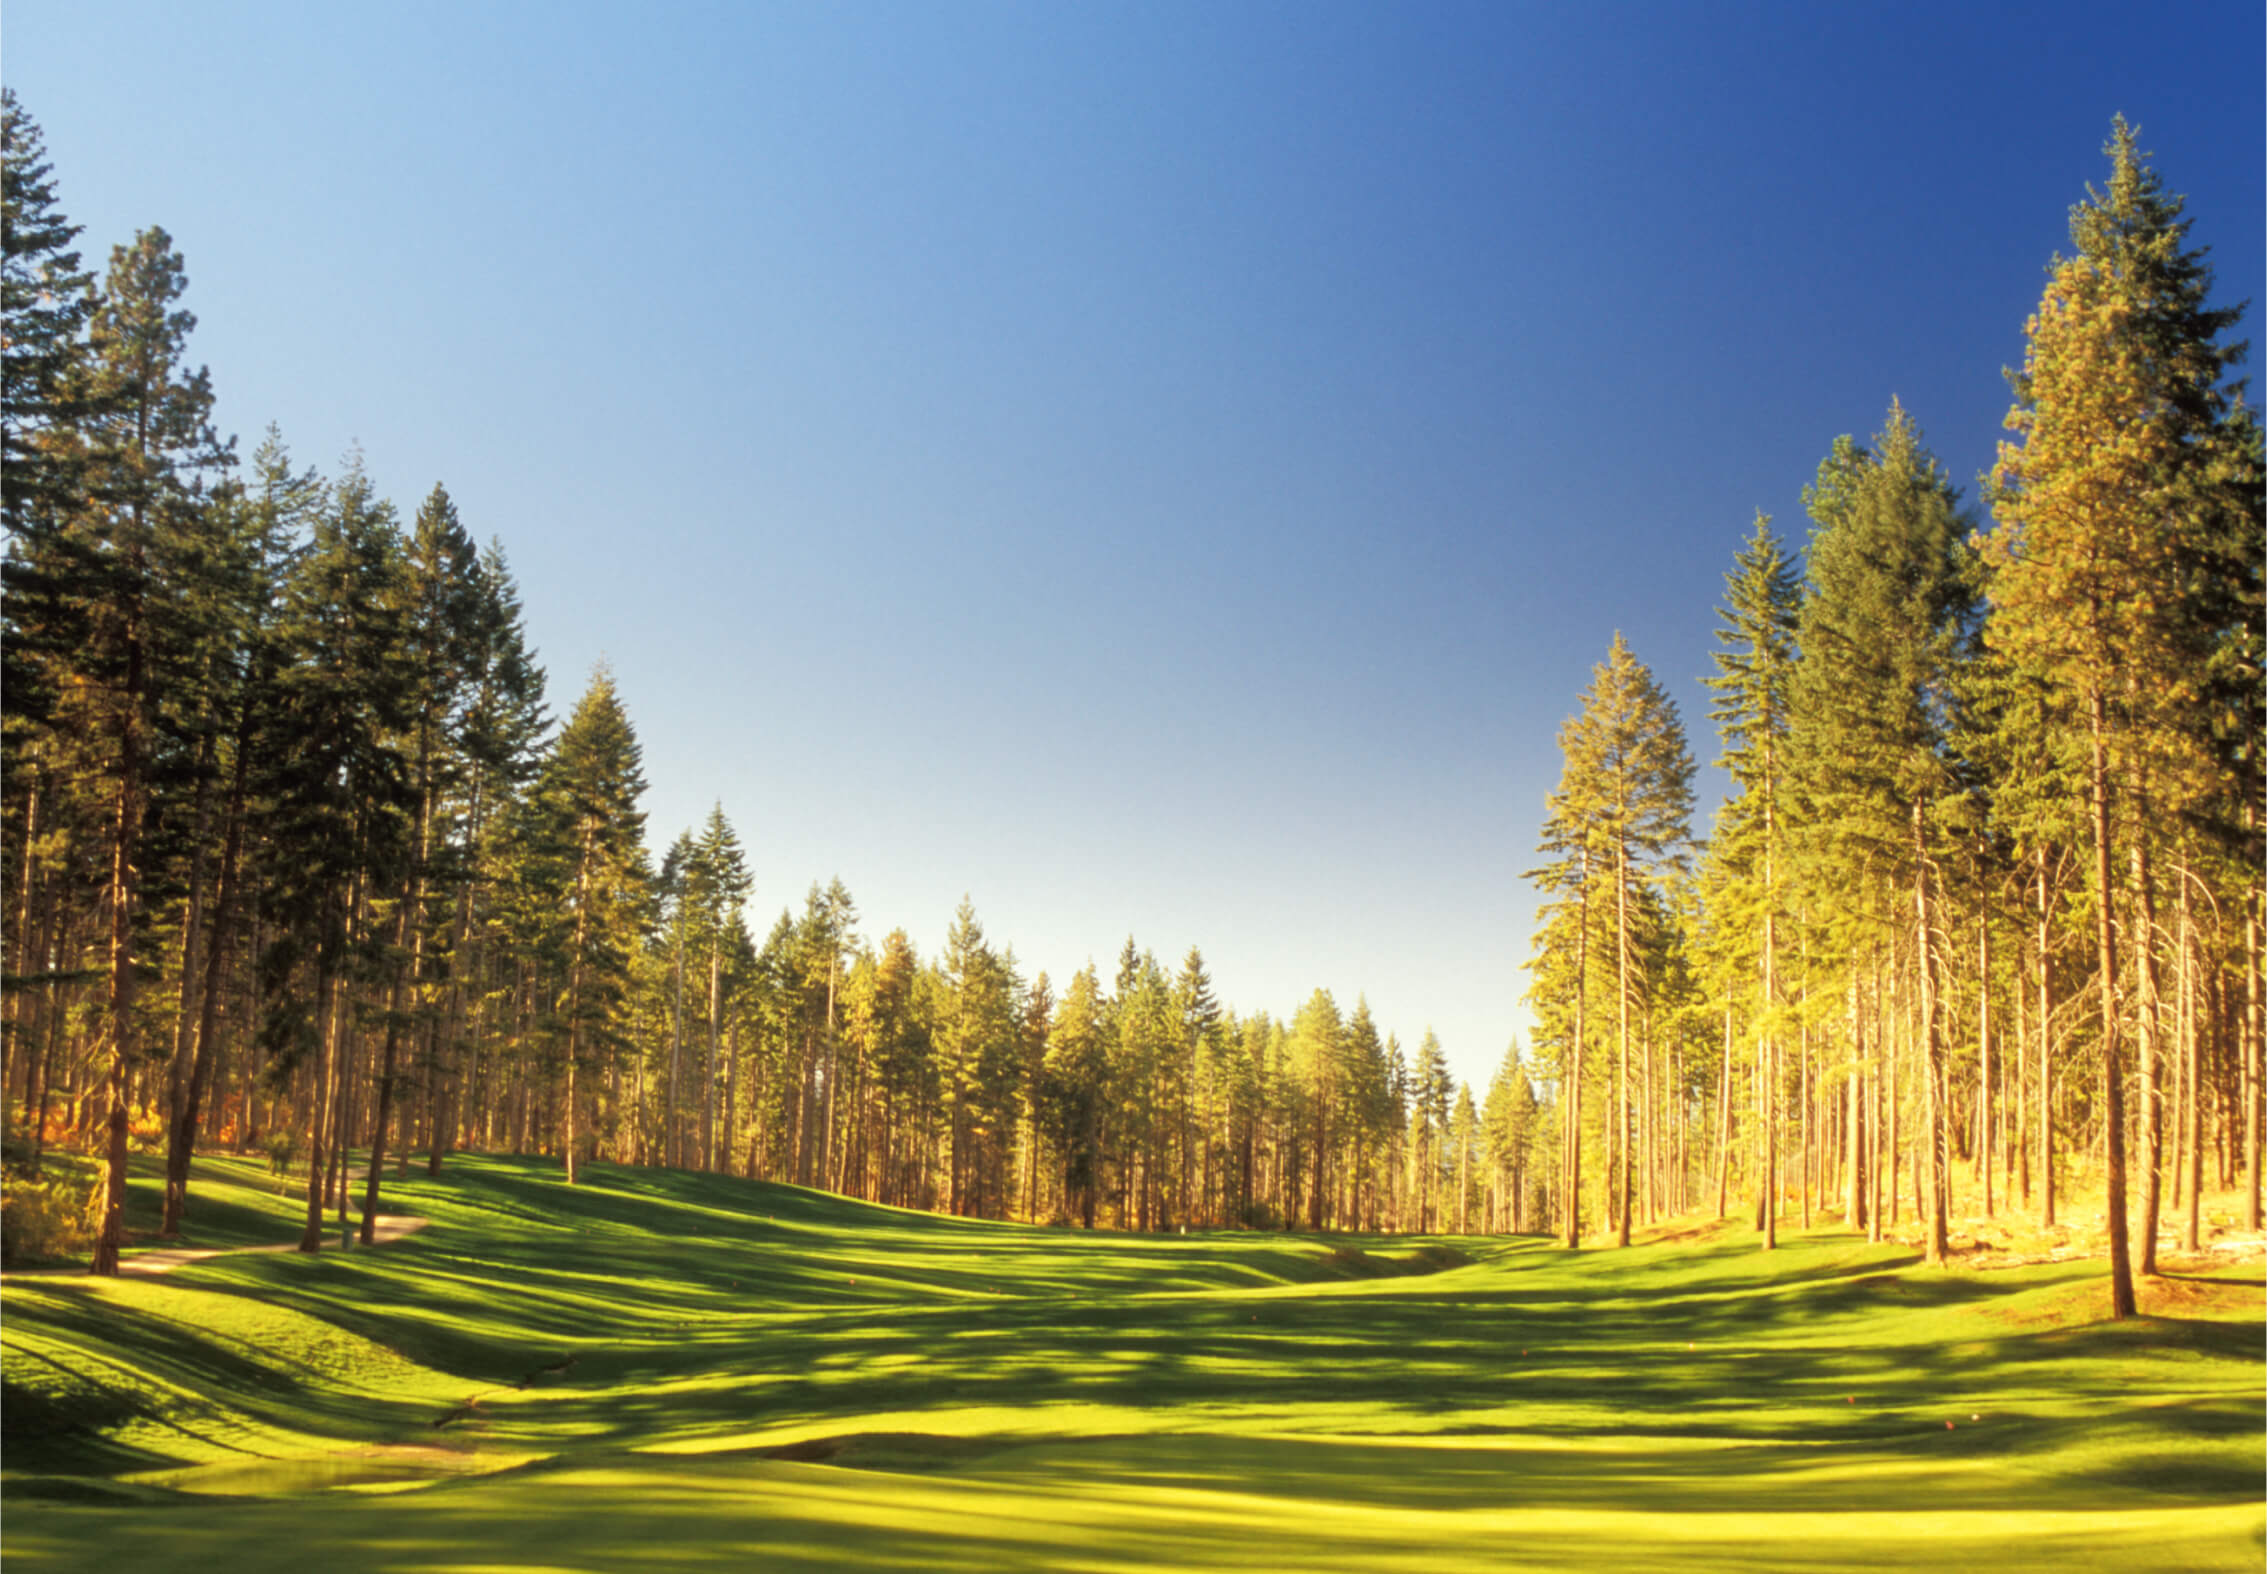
[(2046, 1051), (2145, 1020), (1932, 1045), (318, 1122), (2122, 1303), (1983, 1060), (2252, 1041), (125, 876), (1573, 1100), (1621, 1061), (2194, 1067), (185, 1014), (1724, 1118), (574, 996), (181, 1137)]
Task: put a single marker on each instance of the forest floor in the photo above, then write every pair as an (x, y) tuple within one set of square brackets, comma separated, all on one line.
[(664, 1370)]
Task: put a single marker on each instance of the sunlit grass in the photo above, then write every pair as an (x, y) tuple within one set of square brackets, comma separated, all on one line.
[(666, 1370)]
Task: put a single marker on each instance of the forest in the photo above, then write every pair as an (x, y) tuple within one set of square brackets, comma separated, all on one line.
[(300, 862)]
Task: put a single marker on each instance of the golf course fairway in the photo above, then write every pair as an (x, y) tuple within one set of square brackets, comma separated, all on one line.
[(661, 1370)]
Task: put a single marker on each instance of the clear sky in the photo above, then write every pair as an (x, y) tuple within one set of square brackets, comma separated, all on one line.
[(1160, 468)]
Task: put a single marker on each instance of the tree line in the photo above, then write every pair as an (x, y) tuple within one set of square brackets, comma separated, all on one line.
[(1983, 912), (298, 860)]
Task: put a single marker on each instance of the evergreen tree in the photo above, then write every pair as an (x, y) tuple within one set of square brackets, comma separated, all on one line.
[(46, 297), (1754, 682), (1072, 1091), (148, 455), (271, 525), (1888, 625), (2109, 503), (717, 886), (1628, 784), (340, 802), (1318, 1048), (1430, 1092), (978, 1047), (588, 796), (1464, 1140), (1508, 1123), (441, 622)]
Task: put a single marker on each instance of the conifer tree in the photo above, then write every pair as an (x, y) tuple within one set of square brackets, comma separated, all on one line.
[(45, 299), (1754, 709), (1318, 1036), (2107, 503), (1072, 1096), (1429, 1105), (1464, 1138), (1884, 634), (339, 799), (148, 456), (589, 794), (441, 618), (1627, 785), (271, 524), (717, 886)]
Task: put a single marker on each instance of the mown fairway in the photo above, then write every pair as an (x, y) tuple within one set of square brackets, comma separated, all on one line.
[(665, 1371)]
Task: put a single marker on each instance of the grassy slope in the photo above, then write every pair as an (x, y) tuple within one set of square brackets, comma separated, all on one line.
[(670, 1371)]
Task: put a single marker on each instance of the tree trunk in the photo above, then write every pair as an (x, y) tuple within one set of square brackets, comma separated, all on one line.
[(125, 848), (318, 1121), (574, 994), (2145, 1020), (1983, 1057), (2122, 1302), (1932, 1044), (185, 1015), (181, 1138), (1724, 1118), (2191, 1055), (1621, 1059), (2253, 1037), (672, 1149)]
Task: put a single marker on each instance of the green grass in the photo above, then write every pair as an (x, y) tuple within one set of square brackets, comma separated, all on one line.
[(680, 1372)]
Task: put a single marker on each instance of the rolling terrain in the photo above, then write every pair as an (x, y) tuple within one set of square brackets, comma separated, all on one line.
[(674, 1371)]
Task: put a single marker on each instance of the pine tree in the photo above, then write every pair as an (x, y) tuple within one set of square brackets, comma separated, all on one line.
[(1884, 634), (1072, 1091), (340, 800), (1430, 1091), (148, 456), (271, 526), (589, 793), (441, 625), (2107, 504), (46, 297), (978, 1050), (1627, 785), (717, 887), (1464, 1139), (500, 734), (1508, 1127), (1199, 1010), (1754, 709)]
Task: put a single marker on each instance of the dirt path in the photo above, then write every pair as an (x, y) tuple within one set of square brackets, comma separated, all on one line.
[(391, 1227)]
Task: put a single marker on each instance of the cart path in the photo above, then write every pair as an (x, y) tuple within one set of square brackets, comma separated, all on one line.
[(391, 1227)]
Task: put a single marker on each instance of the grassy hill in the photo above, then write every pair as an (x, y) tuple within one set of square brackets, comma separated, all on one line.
[(659, 1370)]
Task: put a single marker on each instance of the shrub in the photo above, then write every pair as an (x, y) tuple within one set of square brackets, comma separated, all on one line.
[(283, 1152), (46, 1217)]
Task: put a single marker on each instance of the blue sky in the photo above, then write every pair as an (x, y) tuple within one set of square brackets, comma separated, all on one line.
[(1163, 469)]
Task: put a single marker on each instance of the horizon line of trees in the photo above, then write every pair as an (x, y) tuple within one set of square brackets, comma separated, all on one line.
[(1984, 911), (298, 860)]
